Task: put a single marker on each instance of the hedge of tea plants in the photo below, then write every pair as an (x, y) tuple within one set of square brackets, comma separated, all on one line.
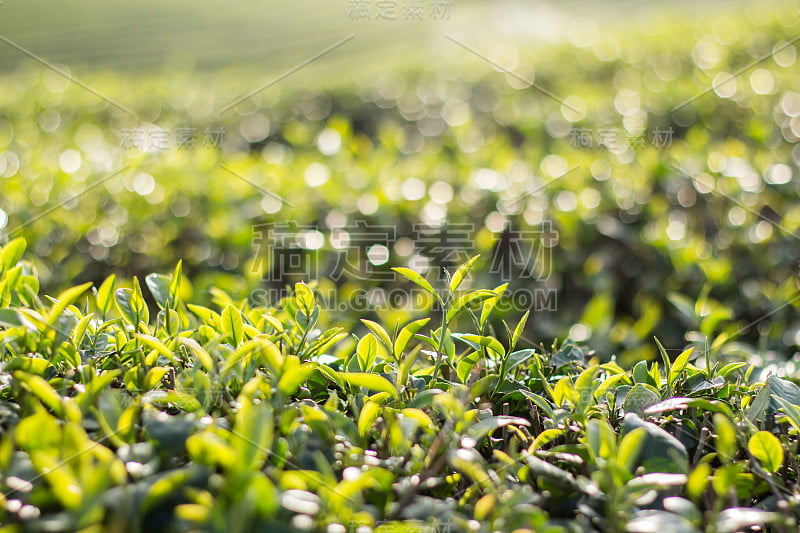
[(230, 417), (667, 181), (162, 369)]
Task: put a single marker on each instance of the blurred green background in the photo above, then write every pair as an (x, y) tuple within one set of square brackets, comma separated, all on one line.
[(410, 122), (265, 36)]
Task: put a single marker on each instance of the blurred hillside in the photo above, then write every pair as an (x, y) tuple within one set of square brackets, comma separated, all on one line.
[(150, 34)]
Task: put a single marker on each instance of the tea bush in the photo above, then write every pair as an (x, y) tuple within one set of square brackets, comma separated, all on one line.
[(644, 230), (657, 193), (239, 418)]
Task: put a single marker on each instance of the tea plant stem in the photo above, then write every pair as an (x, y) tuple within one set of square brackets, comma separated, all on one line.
[(442, 340)]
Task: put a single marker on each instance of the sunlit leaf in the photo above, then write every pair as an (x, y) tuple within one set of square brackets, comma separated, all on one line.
[(462, 273), (417, 279), (369, 381), (767, 449), (232, 324)]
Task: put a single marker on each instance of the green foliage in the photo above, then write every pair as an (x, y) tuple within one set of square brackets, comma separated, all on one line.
[(180, 404), (767, 449), (654, 242), (246, 417)]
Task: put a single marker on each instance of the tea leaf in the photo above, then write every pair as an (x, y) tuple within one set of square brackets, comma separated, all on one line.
[(767, 449)]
